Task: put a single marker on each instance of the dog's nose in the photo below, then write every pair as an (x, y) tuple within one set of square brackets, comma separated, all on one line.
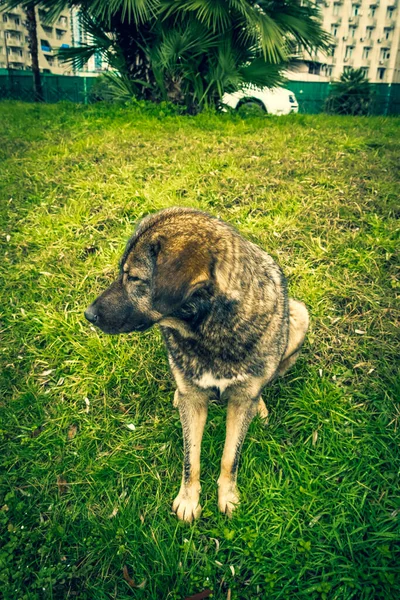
[(91, 314)]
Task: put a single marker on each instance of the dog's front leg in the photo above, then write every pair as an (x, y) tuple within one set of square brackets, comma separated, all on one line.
[(193, 413), (241, 409)]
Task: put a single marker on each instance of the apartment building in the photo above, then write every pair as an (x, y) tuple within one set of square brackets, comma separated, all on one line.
[(365, 34), (14, 41)]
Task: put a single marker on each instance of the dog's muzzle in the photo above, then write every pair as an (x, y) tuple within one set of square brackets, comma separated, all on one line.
[(91, 315)]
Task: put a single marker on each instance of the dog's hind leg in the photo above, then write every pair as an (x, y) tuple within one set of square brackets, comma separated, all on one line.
[(193, 412), (298, 325)]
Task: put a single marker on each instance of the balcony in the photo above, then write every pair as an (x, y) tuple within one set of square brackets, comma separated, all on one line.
[(366, 62), (349, 61), (14, 41), (384, 62), (48, 30), (368, 41), (16, 64), (62, 23), (354, 20), (12, 26), (336, 20), (371, 22), (389, 23)]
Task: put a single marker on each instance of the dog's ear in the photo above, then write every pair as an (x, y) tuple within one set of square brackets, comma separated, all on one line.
[(179, 271)]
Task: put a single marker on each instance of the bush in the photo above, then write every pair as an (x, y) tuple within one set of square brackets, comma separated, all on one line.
[(351, 95)]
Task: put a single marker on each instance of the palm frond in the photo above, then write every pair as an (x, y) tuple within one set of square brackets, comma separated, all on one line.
[(77, 56), (130, 11), (262, 74)]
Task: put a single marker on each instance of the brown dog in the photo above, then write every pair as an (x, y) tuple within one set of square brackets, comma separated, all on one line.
[(229, 326)]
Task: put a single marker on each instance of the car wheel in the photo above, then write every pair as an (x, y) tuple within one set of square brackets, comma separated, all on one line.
[(251, 108)]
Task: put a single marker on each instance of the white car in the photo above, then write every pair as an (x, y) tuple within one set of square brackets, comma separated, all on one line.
[(276, 101)]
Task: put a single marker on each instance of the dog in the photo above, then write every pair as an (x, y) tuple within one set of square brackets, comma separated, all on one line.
[(230, 328)]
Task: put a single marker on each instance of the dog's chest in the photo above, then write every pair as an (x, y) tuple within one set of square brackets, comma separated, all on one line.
[(208, 380)]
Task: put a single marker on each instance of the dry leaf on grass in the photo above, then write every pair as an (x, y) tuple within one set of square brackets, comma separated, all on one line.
[(62, 485), (130, 581), (72, 431), (45, 373)]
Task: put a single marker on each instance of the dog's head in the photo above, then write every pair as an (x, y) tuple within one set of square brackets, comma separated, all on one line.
[(166, 263)]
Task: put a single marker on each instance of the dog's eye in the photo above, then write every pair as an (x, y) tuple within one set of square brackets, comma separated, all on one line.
[(133, 278)]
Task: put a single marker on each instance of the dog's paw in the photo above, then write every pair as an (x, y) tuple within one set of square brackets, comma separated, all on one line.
[(262, 411), (186, 505), (228, 498)]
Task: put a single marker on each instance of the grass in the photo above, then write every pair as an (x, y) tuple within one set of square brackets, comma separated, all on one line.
[(82, 494)]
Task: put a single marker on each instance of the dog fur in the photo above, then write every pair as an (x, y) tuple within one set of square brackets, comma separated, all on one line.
[(228, 323)]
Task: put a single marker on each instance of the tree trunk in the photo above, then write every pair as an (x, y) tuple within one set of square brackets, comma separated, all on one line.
[(33, 47)]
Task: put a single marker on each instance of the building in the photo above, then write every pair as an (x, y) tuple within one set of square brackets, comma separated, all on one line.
[(14, 41), (365, 34), (66, 31)]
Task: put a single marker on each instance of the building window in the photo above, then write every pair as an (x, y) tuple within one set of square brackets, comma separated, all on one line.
[(349, 52), (385, 54), (5, 18), (369, 32), (387, 33), (336, 9), (328, 70), (352, 31), (347, 69), (314, 68), (334, 30), (17, 21), (331, 51), (364, 71), (355, 9), (366, 51), (381, 73), (389, 12), (372, 11), (45, 46), (98, 61)]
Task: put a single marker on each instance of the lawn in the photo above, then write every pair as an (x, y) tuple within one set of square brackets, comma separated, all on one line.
[(91, 448)]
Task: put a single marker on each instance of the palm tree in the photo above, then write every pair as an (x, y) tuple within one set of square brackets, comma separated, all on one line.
[(33, 48), (351, 95)]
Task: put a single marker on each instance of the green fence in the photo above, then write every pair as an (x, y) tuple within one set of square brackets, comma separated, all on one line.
[(18, 85), (311, 97)]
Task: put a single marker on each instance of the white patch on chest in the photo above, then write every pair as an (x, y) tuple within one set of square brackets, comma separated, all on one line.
[(207, 380)]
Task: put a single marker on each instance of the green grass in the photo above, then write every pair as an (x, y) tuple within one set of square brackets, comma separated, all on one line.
[(82, 495)]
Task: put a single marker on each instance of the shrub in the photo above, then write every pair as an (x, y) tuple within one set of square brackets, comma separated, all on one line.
[(351, 95)]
